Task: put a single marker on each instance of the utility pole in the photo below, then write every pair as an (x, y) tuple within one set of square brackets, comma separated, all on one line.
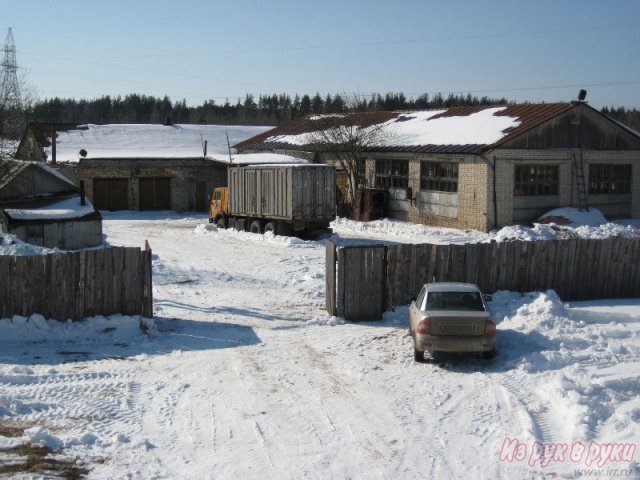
[(11, 108)]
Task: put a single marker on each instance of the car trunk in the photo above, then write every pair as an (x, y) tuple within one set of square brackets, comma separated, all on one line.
[(457, 323)]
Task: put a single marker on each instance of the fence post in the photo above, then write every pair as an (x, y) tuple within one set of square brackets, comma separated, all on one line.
[(148, 281), (330, 278)]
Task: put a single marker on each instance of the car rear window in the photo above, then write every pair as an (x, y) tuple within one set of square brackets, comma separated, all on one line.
[(470, 301)]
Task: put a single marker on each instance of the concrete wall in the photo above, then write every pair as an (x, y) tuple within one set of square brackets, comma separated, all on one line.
[(65, 235)]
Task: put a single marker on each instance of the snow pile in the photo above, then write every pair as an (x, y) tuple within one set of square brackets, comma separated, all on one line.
[(573, 217), (12, 245), (563, 223), (581, 361), (518, 232), (390, 230), (231, 234)]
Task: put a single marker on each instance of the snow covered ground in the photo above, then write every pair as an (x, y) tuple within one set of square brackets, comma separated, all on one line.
[(243, 374)]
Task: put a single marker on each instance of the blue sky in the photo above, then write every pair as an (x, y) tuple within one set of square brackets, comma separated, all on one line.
[(197, 50)]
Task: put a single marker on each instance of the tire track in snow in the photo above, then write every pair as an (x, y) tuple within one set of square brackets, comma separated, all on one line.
[(336, 405), (541, 424), (89, 403)]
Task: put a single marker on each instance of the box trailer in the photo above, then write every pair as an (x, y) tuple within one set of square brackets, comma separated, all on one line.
[(283, 199)]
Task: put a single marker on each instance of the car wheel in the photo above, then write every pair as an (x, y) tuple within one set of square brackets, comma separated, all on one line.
[(418, 355), (489, 355)]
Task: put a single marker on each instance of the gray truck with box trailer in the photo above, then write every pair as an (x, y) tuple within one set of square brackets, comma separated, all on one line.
[(296, 199)]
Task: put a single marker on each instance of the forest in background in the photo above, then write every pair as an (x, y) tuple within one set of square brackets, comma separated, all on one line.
[(266, 109)]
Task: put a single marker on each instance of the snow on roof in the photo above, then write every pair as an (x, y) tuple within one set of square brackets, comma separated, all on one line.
[(150, 141), (63, 209), (429, 128), (260, 158), (420, 128)]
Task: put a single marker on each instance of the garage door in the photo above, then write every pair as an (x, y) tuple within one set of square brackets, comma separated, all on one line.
[(155, 193), (111, 193), (202, 200)]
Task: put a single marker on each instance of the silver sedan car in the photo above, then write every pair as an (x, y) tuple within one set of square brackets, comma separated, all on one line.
[(451, 317)]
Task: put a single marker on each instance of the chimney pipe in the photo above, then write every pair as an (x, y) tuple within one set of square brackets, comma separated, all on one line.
[(205, 147), (82, 197)]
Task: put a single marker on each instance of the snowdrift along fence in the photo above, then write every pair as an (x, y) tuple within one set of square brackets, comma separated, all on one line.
[(77, 285), (362, 282)]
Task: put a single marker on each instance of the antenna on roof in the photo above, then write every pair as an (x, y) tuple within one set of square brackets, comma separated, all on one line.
[(203, 143), (229, 148)]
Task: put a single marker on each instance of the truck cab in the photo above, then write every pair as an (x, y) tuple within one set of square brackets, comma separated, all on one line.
[(219, 207)]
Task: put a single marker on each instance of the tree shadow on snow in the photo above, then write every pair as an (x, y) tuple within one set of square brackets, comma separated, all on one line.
[(169, 336), (241, 312)]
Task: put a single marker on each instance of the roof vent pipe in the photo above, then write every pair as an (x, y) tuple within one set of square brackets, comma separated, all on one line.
[(53, 148)]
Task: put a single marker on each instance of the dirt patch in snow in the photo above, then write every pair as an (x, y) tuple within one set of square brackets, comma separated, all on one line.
[(31, 459)]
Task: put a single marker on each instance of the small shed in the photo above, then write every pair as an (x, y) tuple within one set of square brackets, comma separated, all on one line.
[(42, 207)]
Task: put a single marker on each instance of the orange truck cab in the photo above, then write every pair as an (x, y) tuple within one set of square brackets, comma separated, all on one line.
[(219, 207)]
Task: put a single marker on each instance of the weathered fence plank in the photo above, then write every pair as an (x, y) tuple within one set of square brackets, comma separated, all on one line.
[(364, 279), (76, 285)]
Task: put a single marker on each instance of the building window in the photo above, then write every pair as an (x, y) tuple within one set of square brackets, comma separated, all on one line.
[(536, 180), (392, 174), (609, 179), (439, 177)]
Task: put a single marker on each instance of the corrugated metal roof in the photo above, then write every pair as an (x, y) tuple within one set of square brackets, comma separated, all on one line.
[(529, 116)]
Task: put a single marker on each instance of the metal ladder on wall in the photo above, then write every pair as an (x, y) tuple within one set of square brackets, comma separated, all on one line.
[(578, 168)]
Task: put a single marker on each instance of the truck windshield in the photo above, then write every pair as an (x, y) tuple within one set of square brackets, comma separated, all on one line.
[(454, 301)]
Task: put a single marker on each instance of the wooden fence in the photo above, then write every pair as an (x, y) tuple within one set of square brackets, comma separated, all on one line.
[(79, 284), (364, 281)]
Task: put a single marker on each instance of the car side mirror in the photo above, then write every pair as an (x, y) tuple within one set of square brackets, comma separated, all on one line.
[(488, 297)]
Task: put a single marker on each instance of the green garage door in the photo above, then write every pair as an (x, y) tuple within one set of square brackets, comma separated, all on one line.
[(155, 193), (111, 193)]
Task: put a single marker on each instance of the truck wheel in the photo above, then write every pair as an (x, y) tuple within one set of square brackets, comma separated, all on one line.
[(271, 227), (221, 222), (256, 227)]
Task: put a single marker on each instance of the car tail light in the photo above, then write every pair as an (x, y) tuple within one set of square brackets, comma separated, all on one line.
[(489, 327), (424, 326)]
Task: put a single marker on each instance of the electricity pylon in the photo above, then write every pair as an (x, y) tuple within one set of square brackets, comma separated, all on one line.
[(11, 108)]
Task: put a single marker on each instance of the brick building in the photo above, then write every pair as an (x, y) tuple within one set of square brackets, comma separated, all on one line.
[(484, 167)]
